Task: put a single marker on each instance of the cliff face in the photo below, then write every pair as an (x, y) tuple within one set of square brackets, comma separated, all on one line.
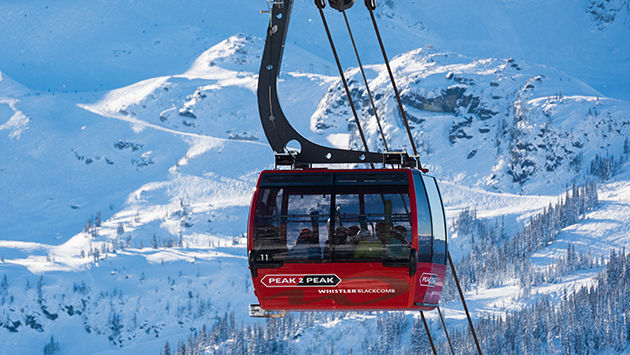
[(515, 125)]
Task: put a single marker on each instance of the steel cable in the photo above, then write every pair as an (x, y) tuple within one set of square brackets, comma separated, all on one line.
[(367, 86), (343, 78), (426, 327), (461, 295), (391, 78), (445, 331)]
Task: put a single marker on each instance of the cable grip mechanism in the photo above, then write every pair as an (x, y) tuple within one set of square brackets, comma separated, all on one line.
[(370, 4), (271, 4), (341, 5)]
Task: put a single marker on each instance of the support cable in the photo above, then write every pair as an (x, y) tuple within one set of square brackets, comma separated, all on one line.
[(445, 331), (343, 78), (367, 86), (426, 327), (461, 296), (391, 78)]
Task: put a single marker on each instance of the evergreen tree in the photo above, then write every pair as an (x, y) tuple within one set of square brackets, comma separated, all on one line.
[(98, 221), (167, 349), (4, 285), (52, 347)]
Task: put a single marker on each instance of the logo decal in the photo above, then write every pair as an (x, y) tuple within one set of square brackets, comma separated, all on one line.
[(428, 279), (301, 280)]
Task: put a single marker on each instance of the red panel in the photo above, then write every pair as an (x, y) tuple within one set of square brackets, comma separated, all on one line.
[(348, 286), (354, 286)]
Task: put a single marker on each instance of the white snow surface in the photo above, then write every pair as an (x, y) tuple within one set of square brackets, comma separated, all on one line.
[(145, 114)]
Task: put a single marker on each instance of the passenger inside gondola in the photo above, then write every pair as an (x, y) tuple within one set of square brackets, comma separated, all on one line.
[(353, 232), (368, 247), (306, 246), (342, 247)]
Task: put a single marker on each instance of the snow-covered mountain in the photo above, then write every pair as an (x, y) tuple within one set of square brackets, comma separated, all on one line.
[(131, 142), (510, 125)]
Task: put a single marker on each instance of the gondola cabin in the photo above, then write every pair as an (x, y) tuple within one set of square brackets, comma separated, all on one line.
[(322, 239)]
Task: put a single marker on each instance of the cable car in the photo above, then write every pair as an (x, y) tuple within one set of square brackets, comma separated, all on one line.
[(366, 239), (338, 239)]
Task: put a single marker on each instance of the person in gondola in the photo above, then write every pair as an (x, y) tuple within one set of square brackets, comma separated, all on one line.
[(368, 246), (353, 234), (343, 248), (306, 246)]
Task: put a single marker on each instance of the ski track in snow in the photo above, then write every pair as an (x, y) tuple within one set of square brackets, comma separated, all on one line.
[(143, 124)]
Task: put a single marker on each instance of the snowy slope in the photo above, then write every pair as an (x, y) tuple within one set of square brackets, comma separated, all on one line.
[(131, 144)]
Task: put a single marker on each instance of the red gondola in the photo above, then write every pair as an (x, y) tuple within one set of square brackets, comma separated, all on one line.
[(339, 239), (323, 239)]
